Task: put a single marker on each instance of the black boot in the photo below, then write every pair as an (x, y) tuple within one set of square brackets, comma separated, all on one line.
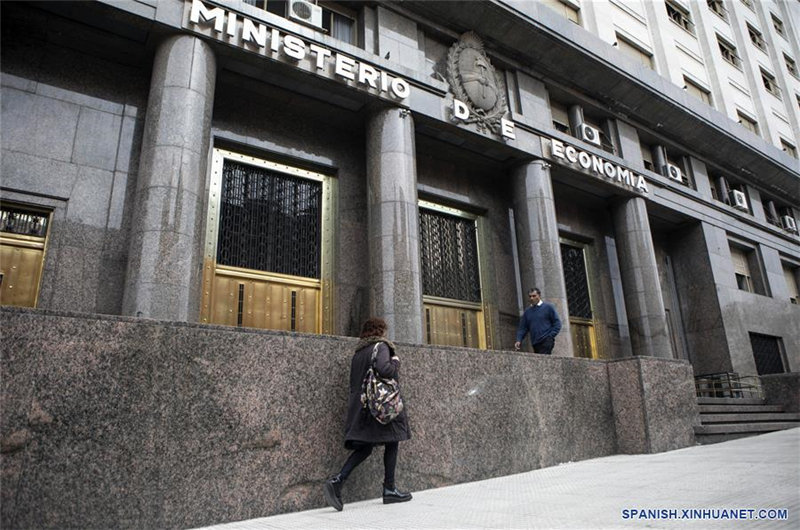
[(333, 491), (391, 495)]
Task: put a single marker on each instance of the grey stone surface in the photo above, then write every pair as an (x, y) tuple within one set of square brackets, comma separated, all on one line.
[(394, 266), (171, 183), (136, 423), (643, 298), (783, 390)]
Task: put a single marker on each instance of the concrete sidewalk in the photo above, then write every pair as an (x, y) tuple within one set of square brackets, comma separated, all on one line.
[(758, 473)]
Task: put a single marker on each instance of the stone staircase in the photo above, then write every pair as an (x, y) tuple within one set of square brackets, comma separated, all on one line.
[(725, 418)]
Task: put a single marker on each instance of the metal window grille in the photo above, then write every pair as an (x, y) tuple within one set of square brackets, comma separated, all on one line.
[(449, 257), (23, 222), (767, 353), (269, 221), (576, 282)]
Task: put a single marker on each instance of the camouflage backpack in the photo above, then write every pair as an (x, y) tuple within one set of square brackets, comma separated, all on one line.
[(381, 395)]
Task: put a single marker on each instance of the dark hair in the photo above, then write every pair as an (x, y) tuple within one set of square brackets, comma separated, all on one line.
[(535, 290), (374, 327)]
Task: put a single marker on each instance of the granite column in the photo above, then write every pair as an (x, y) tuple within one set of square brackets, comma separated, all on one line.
[(393, 218), (165, 255), (538, 241), (647, 319)]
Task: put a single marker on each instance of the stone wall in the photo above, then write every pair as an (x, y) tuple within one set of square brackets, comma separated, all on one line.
[(129, 423)]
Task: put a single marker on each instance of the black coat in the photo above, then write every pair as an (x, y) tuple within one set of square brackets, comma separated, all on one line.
[(360, 426)]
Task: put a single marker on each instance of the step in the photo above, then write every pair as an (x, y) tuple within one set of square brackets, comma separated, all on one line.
[(711, 409), (725, 428), (705, 439), (729, 401), (734, 417)]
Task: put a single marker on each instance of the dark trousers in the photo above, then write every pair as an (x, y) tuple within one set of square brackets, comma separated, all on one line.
[(363, 451), (545, 347)]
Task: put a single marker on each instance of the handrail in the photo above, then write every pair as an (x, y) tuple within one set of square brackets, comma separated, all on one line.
[(728, 385)]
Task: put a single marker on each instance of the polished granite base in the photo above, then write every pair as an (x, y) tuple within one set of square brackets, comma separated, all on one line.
[(133, 423)]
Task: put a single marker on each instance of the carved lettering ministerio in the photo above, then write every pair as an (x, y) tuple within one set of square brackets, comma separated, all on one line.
[(239, 30)]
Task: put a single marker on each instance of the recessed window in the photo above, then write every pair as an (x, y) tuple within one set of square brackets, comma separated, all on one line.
[(748, 123), (771, 211), (748, 3), (792, 274), (770, 84), (789, 148), (338, 21), (728, 52), (716, 7), (791, 65), (680, 16), (767, 353), (637, 53), (778, 25), (756, 38), (697, 91), (647, 157), (565, 9), (560, 116), (747, 268)]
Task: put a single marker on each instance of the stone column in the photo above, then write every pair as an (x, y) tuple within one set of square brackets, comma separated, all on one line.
[(539, 247), (165, 256), (393, 217), (637, 260)]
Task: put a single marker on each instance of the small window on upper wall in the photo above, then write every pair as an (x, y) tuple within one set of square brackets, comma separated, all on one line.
[(339, 21), (748, 3), (791, 273), (728, 52), (697, 91), (637, 53), (747, 268), (770, 83), (560, 115), (647, 157), (791, 66), (788, 148), (567, 9), (756, 38), (680, 16), (748, 123), (778, 25), (716, 7)]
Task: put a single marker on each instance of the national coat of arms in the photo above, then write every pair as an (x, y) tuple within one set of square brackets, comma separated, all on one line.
[(475, 82)]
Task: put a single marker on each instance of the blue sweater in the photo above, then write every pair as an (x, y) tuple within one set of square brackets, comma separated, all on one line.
[(541, 321)]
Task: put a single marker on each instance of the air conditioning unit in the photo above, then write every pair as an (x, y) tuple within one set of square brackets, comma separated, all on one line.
[(306, 12), (674, 172), (589, 134), (739, 200), (789, 224)]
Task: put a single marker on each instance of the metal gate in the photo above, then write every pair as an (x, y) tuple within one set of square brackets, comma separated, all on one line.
[(451, 285), (23, 238), (267, 261)]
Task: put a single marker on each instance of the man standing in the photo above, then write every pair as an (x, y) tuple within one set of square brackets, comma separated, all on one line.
[(541, 321)]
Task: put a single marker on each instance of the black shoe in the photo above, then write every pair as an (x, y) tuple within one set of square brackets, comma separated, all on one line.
[(333, 492), (391, 495)]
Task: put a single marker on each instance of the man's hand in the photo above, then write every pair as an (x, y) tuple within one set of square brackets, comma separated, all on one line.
[(516, 345)]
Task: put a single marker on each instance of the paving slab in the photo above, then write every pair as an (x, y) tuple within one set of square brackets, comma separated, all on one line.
[(746, 483)]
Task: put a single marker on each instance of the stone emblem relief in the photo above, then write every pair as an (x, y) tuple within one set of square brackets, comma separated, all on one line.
[(476, 83)]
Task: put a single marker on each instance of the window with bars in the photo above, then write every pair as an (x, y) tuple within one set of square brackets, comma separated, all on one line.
[(756, 38), (576, 281), (728, 52), (23, 222), (449, 255), (269, 221), (680, 16), (767, 354)]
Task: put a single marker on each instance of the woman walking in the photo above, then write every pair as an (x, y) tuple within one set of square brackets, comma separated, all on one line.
[(362, 431)]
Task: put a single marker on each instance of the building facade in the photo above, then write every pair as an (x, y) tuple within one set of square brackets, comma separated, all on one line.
[(303, 165)]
